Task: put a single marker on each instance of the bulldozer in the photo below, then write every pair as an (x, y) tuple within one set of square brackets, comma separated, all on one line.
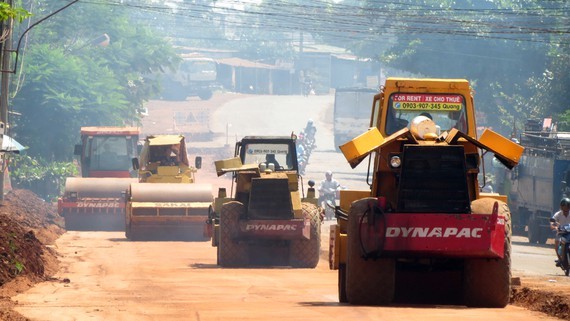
[(95, 201), (166, 203), (267, 221), (424, 232)]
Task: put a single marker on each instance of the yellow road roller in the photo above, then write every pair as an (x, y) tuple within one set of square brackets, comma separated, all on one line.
[(166, 203)]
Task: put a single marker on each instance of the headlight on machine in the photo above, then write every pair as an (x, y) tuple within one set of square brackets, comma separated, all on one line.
[(395, 161)]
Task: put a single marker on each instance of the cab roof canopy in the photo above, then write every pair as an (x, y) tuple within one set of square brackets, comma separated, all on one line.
[(162, 140), (109, 130)]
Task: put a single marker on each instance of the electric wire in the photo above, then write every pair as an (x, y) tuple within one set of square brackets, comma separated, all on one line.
[(285, 16)]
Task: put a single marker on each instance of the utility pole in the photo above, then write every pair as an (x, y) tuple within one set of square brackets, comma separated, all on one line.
[(5, 50)]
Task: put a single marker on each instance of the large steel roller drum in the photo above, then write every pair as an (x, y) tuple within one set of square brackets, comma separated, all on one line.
[(98, 187), (171, 192)]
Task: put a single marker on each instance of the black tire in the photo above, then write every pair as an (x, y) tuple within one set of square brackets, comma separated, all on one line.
[(232, 253), (93, 222), (543, 235), (174, 91), (72, 223), (520, 221), (342, 283), (205, 94), (533, 230), (218, 255), (128, 232), (487, 282), (566, 260), (372, 281), (136, 235), (305, 253)]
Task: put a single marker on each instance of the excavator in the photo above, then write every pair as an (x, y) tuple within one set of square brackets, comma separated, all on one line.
[(95, 201), (166, 203)]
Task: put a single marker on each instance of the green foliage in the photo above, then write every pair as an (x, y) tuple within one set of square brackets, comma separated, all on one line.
[(46, 179), (261, 40), (62, 93), (504, 47), (17, 13), (18, 266), (564, 121), (69, 79)]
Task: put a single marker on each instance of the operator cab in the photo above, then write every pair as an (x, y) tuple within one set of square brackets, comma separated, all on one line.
[(270, 153)]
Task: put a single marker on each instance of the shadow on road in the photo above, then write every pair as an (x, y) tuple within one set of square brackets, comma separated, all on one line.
[(544, 246)]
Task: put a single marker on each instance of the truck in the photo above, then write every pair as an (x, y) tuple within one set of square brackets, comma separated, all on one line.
[(351, 112), (196, 76), (166, 203), (541, 180), (424, 232), (267, 221), (95, 201)]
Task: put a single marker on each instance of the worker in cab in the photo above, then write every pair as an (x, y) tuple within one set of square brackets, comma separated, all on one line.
[(170, 156), (270, 159)]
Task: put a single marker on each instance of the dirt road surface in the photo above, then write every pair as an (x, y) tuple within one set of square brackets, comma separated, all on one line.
[(102, 276), (114, 279)]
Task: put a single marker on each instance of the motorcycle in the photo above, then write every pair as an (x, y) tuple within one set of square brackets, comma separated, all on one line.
[(302, 162), (308, 88), (563, 231), (329, 204)]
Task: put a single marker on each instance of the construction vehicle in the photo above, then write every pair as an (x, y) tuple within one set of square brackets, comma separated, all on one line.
[(424, 232), (166, 203), (351, 112), (95, 201), (541, 180), (196, 76), (267, 221)]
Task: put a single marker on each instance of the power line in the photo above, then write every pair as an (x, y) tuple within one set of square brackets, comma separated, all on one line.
[(525, 25)]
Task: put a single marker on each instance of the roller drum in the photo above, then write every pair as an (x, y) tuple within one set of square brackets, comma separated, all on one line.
[(98, 187), (170, 192)]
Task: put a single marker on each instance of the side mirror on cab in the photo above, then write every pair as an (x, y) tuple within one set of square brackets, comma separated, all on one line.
[(198, 162), (135, 162), (78, 149)]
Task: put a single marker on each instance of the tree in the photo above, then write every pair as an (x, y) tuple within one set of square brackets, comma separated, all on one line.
[(498, 44), (17, 13), (67, 81)]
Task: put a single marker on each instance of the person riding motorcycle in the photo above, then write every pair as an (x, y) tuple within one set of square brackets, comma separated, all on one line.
[(310, 130), (327, 192), (562, 217), (302, 156)]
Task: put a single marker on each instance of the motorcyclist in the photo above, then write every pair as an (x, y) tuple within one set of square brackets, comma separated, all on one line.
[(301, 156), (559, 218), (309, 140), (310, 130), (328, 188), (307, 87)]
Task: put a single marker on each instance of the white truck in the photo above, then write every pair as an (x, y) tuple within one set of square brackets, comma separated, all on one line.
[(351, 112), (196, 76)]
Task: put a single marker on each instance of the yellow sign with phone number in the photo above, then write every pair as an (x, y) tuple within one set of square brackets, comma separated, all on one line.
[(428, 106), (432, 102)]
